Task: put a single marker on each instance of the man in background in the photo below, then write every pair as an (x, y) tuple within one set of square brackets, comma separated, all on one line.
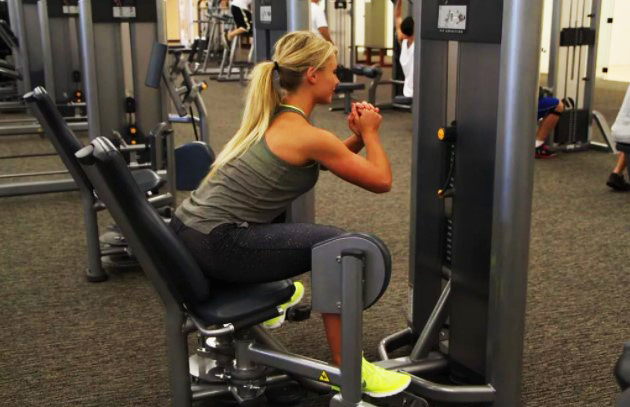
[(404, 35), (319, 24)]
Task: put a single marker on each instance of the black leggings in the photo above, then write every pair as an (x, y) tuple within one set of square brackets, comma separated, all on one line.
[(254, 253)]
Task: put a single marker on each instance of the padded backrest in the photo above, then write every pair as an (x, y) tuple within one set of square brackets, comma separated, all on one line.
[(164, 258), (62, 138), (193, 161)]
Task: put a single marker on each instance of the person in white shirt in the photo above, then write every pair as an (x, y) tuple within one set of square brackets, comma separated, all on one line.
[(241, 11), (319, 24), (404, 35), (621, 134)]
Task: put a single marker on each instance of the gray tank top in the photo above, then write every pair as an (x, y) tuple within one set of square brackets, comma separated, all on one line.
[(254, 188)]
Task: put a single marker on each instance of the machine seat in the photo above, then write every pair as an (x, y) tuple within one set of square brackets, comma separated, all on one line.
[(234, 302), (193, 162), (164, 258)]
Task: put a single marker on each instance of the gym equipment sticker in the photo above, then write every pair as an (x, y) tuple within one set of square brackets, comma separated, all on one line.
[(265, 14), (452, 19)]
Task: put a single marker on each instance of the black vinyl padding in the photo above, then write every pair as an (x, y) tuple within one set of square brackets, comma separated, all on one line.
[(151, 240), (229, 303), (160, 252), (193, 161)]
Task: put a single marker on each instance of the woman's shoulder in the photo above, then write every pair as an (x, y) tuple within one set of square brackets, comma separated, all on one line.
[(299, 136), (290, 125)]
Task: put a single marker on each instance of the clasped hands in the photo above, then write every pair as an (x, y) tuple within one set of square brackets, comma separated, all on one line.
[(364, 118)]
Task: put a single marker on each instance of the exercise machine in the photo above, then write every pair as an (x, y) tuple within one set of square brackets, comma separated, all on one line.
[(572, 61), (185, 165), (212, 21), (472, 176), (109, 248), (46, 53), (230, 68), (115, 59), (350, 273), (187, 94)]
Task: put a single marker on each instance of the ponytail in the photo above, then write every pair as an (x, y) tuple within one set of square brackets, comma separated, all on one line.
[(261, 102), (293, 54)]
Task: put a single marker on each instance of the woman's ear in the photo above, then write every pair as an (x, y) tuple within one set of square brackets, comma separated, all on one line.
[(311, 75)]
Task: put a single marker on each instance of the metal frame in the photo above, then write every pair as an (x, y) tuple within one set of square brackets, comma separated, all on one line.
[(569, 79), (41, 41), (356, 256), (470, 220), (191, 90), (108, 81)]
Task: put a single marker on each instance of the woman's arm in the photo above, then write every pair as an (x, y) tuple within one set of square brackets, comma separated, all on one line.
[(371, 172), (398, 19), (354, 143)]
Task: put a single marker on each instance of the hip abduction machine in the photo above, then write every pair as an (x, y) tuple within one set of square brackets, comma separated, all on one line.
[(237, 358)]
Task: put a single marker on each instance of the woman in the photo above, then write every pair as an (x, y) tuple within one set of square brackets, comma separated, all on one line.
[(273, 158)]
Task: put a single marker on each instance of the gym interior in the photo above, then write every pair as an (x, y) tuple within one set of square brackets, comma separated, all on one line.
[(99, 339)]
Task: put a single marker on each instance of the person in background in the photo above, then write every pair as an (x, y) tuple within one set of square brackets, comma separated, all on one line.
[(319, 24), (241, 11), (549, 111), (621, 134), (404, 35)]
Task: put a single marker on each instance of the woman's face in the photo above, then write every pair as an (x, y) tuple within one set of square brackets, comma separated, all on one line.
[(326, 81)]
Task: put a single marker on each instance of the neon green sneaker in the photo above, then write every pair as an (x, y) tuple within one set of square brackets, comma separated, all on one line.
[(295, 298), (378, 382)]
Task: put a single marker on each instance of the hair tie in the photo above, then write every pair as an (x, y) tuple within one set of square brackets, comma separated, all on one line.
[(275, 77)]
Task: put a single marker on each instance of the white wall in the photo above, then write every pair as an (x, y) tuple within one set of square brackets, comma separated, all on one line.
[(619, 56), (545, 39), (359, 21)]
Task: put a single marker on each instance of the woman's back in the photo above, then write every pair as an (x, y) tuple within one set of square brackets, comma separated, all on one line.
[(255, 188)]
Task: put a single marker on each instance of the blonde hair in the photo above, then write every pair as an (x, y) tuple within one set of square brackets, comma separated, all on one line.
[(294, 53)]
